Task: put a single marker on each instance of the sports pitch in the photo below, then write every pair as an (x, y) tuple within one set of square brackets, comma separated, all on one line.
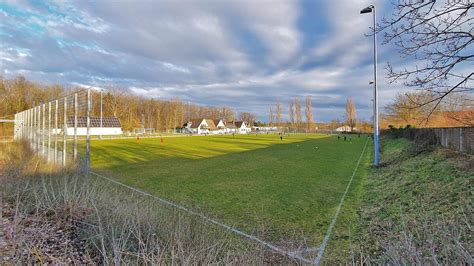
[(278, 190)]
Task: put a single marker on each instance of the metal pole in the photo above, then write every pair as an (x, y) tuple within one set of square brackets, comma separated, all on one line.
[(56, 132), (100, 136), (33, 127), (38, 126), (64, 132), (88, 139), (376, 102), (49, 131), (43, 136), (28, 113), (20, 130), (15, 127), (75, 127)]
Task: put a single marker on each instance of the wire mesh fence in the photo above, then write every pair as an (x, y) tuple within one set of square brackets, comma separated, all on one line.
[(52, 129)]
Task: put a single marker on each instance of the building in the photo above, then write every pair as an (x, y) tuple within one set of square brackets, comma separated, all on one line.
[(242, 128), (110, 126), (346, 129), (199, 126), (203, 126), (220, 126)]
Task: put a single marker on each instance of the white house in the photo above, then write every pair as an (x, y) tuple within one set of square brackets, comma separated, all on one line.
[(346, 129), (199, 126), (241, 127), (110, 126), (216, 126), (230, 127), (220, 126)]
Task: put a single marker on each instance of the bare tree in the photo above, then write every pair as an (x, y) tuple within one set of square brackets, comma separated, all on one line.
[(271, 117), (405, 107), (350, 113), (292, 114), (278, 115), (299, 119), (248, 117), (439, 35), (309, 114)]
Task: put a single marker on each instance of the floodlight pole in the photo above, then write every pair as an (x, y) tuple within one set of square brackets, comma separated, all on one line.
[(371, 9)]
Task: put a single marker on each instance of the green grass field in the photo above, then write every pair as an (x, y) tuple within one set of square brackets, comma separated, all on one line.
[(282, 191)]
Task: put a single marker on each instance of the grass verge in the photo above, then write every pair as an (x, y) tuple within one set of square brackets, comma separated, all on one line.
[(416, 208)]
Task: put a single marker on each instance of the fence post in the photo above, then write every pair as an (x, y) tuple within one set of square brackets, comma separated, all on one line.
[(43, 137), (49, 131), (461, 150), (38, 127), (33, 127), (64, 132), (56, 132), (75, 127), (15, 127), (28, 133), (88, 138)]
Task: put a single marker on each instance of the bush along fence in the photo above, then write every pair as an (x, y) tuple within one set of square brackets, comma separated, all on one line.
[(457, 138)]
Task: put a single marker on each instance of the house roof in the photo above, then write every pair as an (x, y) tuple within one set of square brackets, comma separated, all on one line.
[(239, 124), (94, 121), (210, 124), (230, 124), (216, 121), (195, 123)]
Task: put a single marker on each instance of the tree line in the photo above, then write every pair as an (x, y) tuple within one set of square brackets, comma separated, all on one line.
[(18, 94), (296, 118)]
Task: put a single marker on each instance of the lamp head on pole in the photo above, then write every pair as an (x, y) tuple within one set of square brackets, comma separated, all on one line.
[(367, 10)]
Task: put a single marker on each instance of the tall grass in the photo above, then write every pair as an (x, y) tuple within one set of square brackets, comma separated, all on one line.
[(110, 224)]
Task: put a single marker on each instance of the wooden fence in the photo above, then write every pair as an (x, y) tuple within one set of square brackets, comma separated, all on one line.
[(457, 138)]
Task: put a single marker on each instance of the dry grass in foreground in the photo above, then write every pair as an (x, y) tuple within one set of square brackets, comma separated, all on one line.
[(60, 217)]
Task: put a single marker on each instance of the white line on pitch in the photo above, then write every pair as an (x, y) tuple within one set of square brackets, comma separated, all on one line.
[(210, 220), (333, 222)]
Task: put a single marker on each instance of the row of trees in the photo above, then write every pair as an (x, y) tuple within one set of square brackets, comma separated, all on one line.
[(19, 94), (296, 118), (456, 109)]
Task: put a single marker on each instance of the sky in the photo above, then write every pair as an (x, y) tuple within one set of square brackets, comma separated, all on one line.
[(244, 54)]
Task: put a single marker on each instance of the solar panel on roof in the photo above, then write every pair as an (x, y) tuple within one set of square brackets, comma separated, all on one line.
[(94, 121)]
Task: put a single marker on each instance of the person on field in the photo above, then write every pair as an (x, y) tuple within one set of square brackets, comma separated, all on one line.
[(338, 137), (281, 137), (344, 138)]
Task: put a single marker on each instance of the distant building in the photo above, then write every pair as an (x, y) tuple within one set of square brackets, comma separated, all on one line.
[(346, 129), (110, 126), (220, 126), (242, 128), (196, 126), (203, 126)]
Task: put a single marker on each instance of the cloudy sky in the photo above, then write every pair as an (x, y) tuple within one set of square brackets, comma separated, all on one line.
[(243, 54)]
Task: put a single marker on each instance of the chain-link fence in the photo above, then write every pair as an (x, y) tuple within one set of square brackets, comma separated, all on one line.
[(52, 129)]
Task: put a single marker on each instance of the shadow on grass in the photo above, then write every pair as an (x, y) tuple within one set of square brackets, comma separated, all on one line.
[(280, 192)]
